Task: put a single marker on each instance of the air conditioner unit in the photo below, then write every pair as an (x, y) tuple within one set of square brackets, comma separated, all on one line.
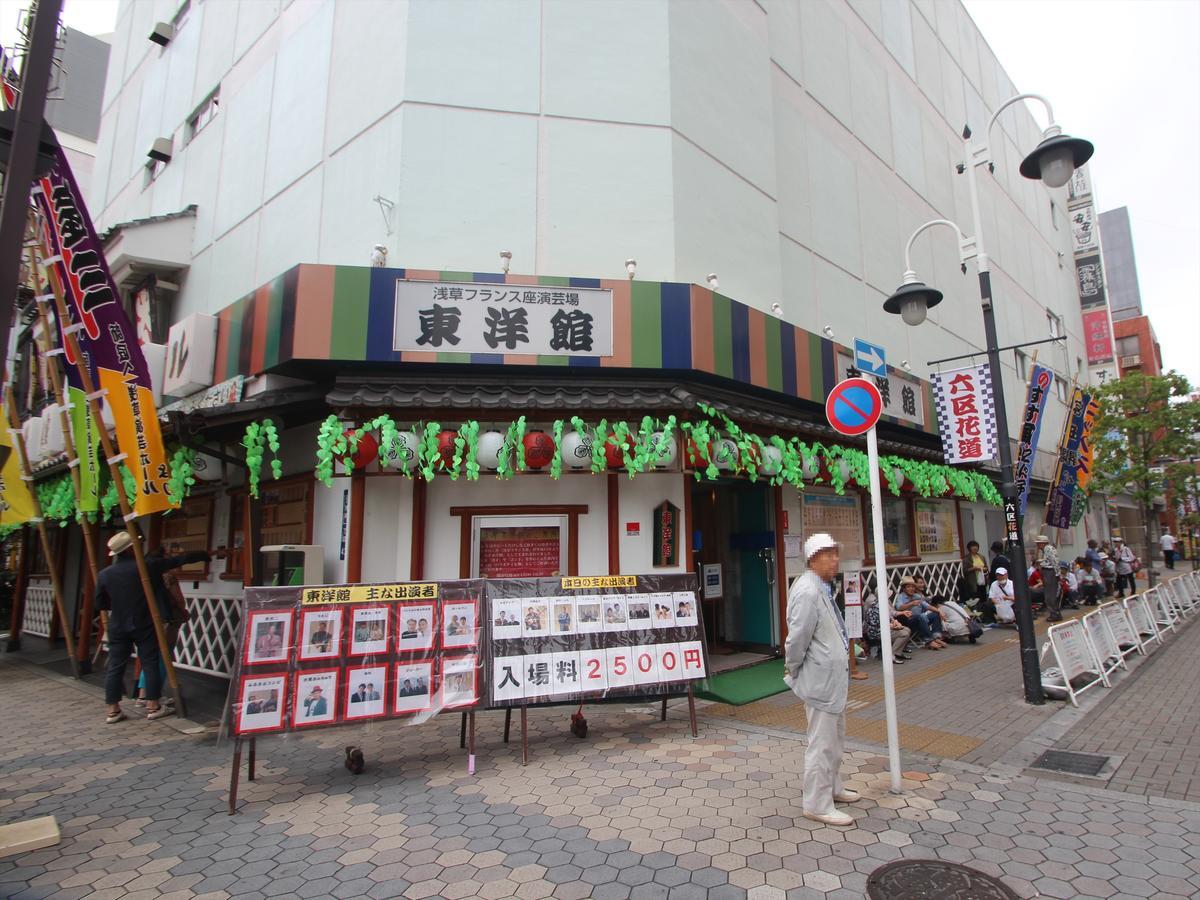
[(1135, 360), (161, 149), (163, 33)]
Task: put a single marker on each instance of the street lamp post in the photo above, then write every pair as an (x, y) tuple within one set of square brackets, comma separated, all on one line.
[(1052, 161)]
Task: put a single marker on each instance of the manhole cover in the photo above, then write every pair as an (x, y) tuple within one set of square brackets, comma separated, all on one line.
[(1070, 762), (932, 879)]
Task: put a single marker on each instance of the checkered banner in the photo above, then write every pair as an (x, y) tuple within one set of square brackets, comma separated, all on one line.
[(966, 414)]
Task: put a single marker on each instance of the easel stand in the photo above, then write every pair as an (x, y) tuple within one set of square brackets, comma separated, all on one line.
[(114, 466)]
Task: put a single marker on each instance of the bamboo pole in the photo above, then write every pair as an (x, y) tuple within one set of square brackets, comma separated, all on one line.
[(114, 467), (18, 439), (89, 534)]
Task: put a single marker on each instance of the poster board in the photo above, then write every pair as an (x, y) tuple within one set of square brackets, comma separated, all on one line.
[(1076, 658), (340, 655), (1122, 629), (1161, 609), (937, 526), (571, 639), (1141, 619), (1107, 653), (852, 586)]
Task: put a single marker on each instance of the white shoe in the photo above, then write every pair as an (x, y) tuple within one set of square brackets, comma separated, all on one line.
[(847, 796), (837, 818)]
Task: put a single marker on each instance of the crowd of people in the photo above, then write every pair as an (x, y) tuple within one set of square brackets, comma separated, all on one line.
[(986, 595)]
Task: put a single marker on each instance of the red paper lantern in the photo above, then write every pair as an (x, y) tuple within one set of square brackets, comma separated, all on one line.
[(614, 454), (365, 453), (539, 449), (696, 455), (445, 448)]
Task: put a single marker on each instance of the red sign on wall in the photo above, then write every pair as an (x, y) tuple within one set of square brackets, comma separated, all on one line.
[(519, 552), (1097, 334)]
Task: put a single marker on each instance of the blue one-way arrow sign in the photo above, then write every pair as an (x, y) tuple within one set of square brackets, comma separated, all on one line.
[(869, 358)]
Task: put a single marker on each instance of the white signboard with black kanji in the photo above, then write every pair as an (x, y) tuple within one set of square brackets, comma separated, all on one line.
[(902, 397), (966, 414), (496, 318)]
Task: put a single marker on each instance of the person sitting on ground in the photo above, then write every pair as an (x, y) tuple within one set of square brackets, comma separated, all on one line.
[(1091, 582), (957, 623), (1037, 590), (1068, 586), (900, 635), (915, 613), (1001, 595)]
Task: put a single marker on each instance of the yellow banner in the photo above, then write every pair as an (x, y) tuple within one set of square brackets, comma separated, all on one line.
[(16, 503), (139, 438), (369, 593), (599, 581)]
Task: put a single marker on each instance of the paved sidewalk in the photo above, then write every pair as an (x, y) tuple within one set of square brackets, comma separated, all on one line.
[(639, 809)]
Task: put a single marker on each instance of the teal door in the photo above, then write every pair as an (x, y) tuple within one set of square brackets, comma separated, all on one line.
[(753, 541)]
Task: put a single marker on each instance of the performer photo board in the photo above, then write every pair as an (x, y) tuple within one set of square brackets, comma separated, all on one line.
[(565, 639), (320, 656)]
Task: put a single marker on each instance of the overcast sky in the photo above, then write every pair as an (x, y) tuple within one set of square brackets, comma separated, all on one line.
[(1125, 74)]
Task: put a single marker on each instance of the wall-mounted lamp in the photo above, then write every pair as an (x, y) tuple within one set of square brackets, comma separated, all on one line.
[(505, 260), (631, 268), (379, 256), (777, 310), (905, 366), (828, 330), (712, 281)]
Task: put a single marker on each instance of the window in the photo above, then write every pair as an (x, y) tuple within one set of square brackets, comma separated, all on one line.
[(1022, 364), (897, 530), (286, 519), (151, 172), (1061, 383), (203, 114), (937, 526), (1055, 324), (1053, 215), (1129, 345)]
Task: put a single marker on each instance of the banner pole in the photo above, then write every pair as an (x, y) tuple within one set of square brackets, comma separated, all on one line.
[(885, 611), (51, 563), (89, 534), (114, 468)]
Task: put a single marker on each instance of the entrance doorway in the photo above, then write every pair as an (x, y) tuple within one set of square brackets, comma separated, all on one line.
[(733, 526)]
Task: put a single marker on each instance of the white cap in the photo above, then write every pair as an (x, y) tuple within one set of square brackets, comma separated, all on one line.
[(817, 543), (1001, 571)]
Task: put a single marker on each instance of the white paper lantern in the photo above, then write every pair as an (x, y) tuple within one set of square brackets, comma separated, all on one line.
[(844, 469), (811, 467), (772, 460), (577, 449), (663, 450), (898, 474), (487, 450), (402, 454), (725, 454)]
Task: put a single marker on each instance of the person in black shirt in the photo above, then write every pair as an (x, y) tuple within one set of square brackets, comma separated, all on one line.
[(119, 592), (999, 560)]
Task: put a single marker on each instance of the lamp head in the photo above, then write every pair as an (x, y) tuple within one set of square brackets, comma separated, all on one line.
[(505, 260), (912, 300), (712, 281), (1055, 159), (631, 267)]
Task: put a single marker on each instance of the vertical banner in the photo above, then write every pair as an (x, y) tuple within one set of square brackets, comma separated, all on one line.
[(106, 337), (16, 503), (1031, 429), (87, 444), (966, 414), (1080, 419)]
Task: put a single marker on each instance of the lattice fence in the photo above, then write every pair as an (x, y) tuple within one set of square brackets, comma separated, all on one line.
[(941, 578), (206, 642), (39, 610)]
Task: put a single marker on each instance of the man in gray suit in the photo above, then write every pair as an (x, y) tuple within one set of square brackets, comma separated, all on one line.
[(816, 664)]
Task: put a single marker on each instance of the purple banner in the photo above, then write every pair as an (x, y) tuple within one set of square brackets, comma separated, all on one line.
[(1031, 428)]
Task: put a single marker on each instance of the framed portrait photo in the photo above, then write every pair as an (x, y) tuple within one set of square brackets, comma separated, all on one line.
[(459, 681), (416, 624), (365, 690), (320, 633), (262, 699), (535, 617), (316, 697), (638, 606), (685, 609), (412, 686), (268, 637), (459, 620), (662, 610), (589, 614), (369, 629), (506, 618)]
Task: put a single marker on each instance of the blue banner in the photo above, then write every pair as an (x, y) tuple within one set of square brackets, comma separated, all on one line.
[(1031, 428)]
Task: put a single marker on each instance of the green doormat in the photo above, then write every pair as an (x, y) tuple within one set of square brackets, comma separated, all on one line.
[(746, 685)]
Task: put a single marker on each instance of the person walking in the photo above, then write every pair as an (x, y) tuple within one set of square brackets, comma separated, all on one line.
[(1167, 542), (816, 668), (119, 592), (1124, 558), (1046, 561)]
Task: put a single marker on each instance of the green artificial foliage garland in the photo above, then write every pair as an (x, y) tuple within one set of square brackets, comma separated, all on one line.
[(556, 460), (182, 479)]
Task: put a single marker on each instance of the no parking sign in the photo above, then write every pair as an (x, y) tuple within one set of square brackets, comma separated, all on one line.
[(853, 406)]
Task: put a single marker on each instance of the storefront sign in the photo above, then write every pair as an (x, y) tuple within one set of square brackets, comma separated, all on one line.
[(1097, 335), (666, 534), (191, 351), (714, 588), (1081, 418), (223, 394), (1031, 429), (966, 414), (1083, 229), (1089, 274), (1080, 185), (492, 318), (1012, 530), (902, 397), (543, 645)]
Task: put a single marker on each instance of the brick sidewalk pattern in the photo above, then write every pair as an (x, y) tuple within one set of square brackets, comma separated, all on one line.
[(1153, 721), (640, 809)]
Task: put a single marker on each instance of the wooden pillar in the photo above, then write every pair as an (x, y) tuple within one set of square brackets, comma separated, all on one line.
[(689, 553), (614, 524), (417, 566), (358, 499)]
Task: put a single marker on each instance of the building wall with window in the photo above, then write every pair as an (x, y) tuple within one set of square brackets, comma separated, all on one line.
[(1137, 346), (790, 148)]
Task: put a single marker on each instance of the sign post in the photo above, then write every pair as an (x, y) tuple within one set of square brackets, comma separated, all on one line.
[(853, 407)]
